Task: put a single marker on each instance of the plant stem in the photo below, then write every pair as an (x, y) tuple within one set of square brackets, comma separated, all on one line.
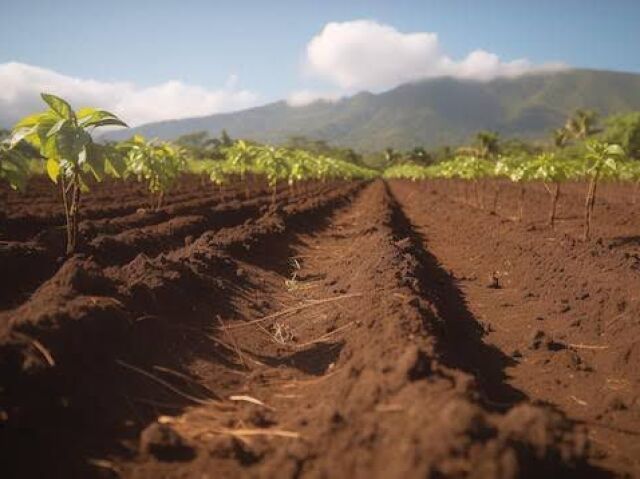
[(521, 201), (475, 188), (496, 195), (65, 202), (555, 193), (588, 205), (72, 229)]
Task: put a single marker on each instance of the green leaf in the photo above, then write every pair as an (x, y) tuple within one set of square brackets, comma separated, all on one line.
[(96, 118), (96, 167), (82, 156), (43, 127), (22, 133), (615, 150), (112, 168), (107, 122), (83, 185), (59, 124), (49, 149), (31, 120), (84, 113), (53, 169), (59, 106)]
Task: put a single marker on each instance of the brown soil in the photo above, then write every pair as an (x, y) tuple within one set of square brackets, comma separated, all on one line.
[(346, 330)]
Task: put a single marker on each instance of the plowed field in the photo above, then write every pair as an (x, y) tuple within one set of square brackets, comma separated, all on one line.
[(380, 329)]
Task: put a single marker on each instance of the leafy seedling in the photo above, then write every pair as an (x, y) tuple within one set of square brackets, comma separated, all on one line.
[(63, 137)]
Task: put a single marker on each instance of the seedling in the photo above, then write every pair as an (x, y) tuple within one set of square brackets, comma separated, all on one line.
[(63, 137), (13, 166), (159, 164), (548, 168), (603, 159), (272, 162)]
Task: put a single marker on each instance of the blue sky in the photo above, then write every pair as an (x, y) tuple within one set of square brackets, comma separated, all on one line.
[(260, 47)]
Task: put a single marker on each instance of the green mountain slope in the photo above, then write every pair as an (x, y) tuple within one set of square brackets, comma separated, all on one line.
[(430, 112)]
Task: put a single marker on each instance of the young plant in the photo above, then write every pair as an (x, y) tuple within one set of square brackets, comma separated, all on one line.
[(272, 162), (488, 144), (548, 168), (63, 137), (630, 171), (241, 156), (603, 159), (218, 175), (159, 164), (475, 169), (13, 166), (514, 168)]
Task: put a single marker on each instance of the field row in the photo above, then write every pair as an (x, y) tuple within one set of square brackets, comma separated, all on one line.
[(336, 330)]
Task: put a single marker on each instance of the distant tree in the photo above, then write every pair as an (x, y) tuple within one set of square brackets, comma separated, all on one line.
[(351, 156), (582, 124), (516, 147), (488, 143), (298, 141), (321, 147), (4, 134), (391, 156), (212, 144), (624, 130), (309, 144), (560, 137), (193, 140), (419, 155), (443, 153), (225, 139)]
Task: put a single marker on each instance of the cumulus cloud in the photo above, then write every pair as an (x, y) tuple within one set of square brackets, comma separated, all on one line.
[(20, 87), (364, 54), (306, 97)]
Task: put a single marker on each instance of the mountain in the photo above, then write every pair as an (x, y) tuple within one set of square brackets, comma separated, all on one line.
[(431, 112)]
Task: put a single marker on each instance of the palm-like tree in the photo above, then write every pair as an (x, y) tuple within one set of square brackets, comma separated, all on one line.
[(560, 137), (582, 124)]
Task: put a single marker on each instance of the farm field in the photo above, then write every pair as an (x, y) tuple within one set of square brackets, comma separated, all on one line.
[(380, 328)]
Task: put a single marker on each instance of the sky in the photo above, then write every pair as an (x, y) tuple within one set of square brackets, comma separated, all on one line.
[(153, 60)]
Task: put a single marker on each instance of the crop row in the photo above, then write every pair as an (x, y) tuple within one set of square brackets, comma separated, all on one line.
[(61, 138), (602, 161)]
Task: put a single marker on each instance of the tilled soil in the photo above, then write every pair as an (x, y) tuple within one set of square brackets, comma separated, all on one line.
[(564, 313), (346, 330)]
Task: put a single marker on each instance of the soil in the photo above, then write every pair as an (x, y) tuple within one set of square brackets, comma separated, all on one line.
[(381, 329)]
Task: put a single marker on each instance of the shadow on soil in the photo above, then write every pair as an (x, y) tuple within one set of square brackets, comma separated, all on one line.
[(461, 344), (97, 398), (314, 360), (626, 241), (276, 252)]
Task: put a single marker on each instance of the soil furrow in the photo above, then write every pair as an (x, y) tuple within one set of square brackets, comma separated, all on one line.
[(66, 394), (345, 371), (328, 336), (28, 264), (560, 315)]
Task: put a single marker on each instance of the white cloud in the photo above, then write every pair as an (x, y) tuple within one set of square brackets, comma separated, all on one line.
[(306, 97), (20, 87), (364, 54)]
